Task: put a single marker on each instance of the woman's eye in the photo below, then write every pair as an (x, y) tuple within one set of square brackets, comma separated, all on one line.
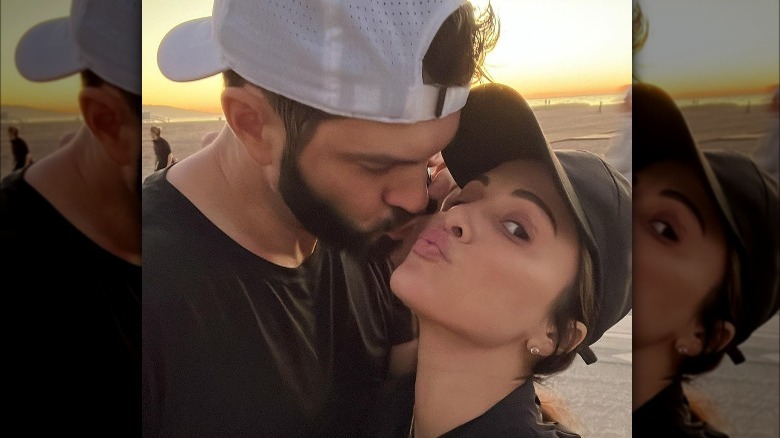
[(665, 230), (516, 230)]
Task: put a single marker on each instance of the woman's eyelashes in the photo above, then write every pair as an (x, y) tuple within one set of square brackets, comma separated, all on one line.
[(516, 229), (664, 230)]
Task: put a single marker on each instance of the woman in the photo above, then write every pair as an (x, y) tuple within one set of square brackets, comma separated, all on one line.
[(524, 268), (705, 263)]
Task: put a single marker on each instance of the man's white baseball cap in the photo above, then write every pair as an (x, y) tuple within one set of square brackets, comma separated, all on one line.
[(354, 58), (103, 36)]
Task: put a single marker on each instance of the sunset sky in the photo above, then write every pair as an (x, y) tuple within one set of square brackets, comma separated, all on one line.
[(710, 47), (547, 48), (16, 17)]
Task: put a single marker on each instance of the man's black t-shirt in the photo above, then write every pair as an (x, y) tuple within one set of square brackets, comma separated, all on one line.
[(72, 318), (237, 346)]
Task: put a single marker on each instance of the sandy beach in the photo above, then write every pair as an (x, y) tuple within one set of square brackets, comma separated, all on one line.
[(567, 126)]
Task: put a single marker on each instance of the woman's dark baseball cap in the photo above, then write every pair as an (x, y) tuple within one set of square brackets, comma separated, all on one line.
[(744, 195), (496, 126)]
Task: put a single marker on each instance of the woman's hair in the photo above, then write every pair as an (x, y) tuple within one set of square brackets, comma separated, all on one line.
[(721, 304), (462, 33), (576, 303)]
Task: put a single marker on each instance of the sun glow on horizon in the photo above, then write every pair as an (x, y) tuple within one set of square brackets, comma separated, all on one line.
[(546, 49), (700, 48)]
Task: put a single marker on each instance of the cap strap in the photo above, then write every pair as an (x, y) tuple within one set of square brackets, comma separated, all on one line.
[(426, 102), (587, 355), (736, 355)]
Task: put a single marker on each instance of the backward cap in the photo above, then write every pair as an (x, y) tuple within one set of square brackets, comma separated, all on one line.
[(98, 35), (353, 58), (497, 125), (752, 199)]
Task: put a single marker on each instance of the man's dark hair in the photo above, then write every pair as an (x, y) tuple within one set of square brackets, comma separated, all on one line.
[(90, 79)]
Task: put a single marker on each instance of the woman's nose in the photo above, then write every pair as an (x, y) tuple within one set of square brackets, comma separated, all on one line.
[(457, 222), (456, 231)]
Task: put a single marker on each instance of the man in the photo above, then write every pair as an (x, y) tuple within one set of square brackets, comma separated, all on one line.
[(264, 310), (19, 148), (162, 150), (71, 230)]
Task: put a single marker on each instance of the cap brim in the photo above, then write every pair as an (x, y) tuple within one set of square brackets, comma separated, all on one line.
[(189, 52), (660, 133), (47, 52), (497, 126)]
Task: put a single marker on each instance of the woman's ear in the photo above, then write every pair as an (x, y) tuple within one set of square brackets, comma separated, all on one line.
[(722, 335), (105, 113), (689, 340), (247, 113), (544, 344), (575, 334)]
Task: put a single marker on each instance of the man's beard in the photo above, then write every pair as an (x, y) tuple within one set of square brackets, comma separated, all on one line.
[(322, 219)]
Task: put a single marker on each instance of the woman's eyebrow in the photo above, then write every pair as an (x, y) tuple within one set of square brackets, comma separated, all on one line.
[(525, 194), (684, 200), (483, 179)]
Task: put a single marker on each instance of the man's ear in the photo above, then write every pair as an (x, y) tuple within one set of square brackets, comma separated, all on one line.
[(105, 112), (247, 112)]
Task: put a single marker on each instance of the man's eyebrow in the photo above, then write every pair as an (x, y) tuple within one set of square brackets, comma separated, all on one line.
[(680, 197), (525, 194)]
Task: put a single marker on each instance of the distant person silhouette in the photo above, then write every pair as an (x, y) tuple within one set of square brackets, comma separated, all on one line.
[(162, 149), (19, 148)]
